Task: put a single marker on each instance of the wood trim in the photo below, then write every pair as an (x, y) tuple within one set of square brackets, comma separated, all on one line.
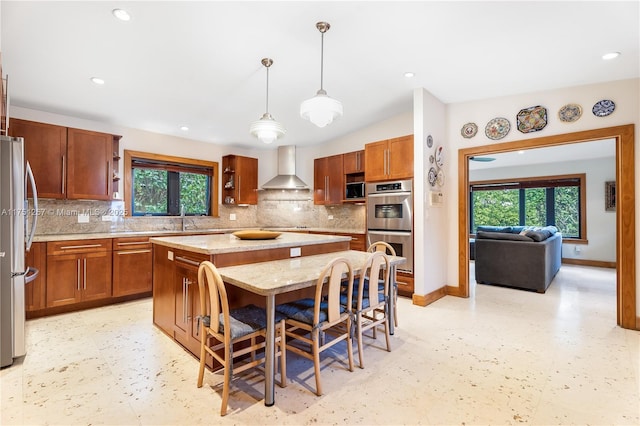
[(586, 262), (429, 298), (625, 210), (454, 291), (128, 154)]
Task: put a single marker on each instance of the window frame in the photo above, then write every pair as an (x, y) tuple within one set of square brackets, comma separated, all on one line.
[(139, 155), (522, 183)]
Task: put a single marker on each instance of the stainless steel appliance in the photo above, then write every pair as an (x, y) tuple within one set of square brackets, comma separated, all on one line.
[(354, 191), (14, 240), (389, 217)]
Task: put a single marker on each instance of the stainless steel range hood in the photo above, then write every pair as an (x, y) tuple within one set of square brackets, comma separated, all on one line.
[(286, 178)]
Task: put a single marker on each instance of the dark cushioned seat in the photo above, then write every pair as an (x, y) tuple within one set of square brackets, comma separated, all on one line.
[(302, 310), (243, 320)]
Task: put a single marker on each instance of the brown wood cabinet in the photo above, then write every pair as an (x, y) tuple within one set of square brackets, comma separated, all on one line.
[(389, 159), (328, 180), (35, 291), (405, 284), (239, 180), (69, 163), (353, 162), (187, 300), (132, 266), (78, 271)]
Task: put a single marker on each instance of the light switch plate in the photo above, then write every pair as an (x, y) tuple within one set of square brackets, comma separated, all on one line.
[(232, 216), (295, 252), (436, 198), (170, 255)]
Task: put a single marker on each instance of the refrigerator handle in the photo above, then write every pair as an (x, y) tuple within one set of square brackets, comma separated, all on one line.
[(31, 179)]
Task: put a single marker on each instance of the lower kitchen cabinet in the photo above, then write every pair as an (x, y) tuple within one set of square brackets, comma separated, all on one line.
[(405, 284), (78, 271), (187, 301), (132, 266)]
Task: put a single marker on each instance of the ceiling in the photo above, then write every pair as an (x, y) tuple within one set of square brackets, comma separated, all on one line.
[(197, 64)]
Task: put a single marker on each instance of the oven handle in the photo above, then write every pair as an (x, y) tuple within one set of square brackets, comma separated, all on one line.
[(389, 194), (391, 233)]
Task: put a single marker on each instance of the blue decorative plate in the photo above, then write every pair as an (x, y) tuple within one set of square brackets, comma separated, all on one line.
[(603, 108)]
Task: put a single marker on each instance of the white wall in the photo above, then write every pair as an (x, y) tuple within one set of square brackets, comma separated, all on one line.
[(601, 224), (625, 93)]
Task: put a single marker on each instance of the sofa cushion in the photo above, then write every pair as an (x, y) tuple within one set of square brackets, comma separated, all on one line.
[(502, 236), (494, 228), (540, 233)]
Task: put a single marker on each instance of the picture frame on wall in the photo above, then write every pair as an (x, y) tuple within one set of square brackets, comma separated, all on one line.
[(610, 196)]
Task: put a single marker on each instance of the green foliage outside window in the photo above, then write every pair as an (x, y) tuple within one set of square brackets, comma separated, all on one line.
[(568, 211), (152, 192), (495, 208), (535, 207)]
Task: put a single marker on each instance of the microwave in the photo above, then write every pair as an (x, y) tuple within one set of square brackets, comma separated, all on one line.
[(354, 190)]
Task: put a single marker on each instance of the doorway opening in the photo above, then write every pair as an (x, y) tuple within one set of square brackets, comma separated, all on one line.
[(625, 209)]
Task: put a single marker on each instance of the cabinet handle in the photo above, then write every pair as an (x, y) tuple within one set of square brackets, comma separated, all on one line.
[(133, 243), (184, 303), (64, 172), (84, 274), (78, 274), (326, 188), (189, 261), (80, 246), (120, 253), (239, 189), (388, 162), (186, 299), (108, 178)]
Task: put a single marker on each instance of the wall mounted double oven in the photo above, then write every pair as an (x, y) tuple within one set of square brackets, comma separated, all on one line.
[(390, 217)]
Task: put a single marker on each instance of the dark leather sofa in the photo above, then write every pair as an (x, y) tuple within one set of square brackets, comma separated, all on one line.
[(528, 259)]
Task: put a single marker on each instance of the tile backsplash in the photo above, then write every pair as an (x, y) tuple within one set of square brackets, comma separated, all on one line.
[(275, 208)]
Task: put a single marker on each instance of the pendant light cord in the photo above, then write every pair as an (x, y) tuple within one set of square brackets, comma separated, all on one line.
[(321, 60), (267, 106)]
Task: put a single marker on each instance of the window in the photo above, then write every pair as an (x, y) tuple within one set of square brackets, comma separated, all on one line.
[(557, 200), (157, 185)]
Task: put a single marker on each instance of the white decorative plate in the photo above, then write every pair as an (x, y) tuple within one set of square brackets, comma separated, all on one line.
[(440, 177), (603, 108), (439, 156), (570, 113), (429, 141), (432, 176), (497, 128), (469, 130), (432, 159)]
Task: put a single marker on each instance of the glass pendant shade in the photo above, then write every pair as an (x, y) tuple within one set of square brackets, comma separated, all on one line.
[(267, 129), (321, 109)]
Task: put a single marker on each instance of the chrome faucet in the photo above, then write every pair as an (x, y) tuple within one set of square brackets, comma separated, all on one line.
[(182, 216)]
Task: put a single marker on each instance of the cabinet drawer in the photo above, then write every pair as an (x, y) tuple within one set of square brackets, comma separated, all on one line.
[(78, 246), (131, 243)]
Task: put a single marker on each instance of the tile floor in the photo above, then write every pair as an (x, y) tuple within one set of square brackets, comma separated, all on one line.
[(502, 356)]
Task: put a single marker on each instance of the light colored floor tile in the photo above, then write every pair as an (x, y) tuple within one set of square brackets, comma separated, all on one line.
[(502, 356)]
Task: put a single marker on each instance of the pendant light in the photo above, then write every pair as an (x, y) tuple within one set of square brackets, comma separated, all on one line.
[(267, 129), (321, 109)]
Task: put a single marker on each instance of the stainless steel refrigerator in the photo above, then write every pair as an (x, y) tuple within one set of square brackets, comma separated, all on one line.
[(17, 228)]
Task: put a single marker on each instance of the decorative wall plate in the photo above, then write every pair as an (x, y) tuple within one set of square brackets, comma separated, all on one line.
[(570, 113), (440, 177), (603, 108), (439, 156), (432, 159), (469, 130), (429, 141), (497, 128), (532, 119), (433, 176)]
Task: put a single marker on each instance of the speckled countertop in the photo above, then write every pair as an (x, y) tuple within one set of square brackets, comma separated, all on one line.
[(228, 243), (86, 236)]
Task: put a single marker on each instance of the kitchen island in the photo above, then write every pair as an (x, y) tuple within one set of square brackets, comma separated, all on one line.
[(176, 302)]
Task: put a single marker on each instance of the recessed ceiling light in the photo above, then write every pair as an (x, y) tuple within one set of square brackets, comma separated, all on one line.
[(610, 55), (184, 128), (121, 14), (409, 74), (520, 152), (97, 80)]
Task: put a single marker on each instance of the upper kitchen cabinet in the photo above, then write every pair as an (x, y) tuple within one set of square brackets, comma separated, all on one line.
[(69, 163), (353, 162), (389, 159), (239, 180), (328, 180)]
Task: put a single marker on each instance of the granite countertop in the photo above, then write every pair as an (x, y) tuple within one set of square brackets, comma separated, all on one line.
[(96, 235), (228, 243)]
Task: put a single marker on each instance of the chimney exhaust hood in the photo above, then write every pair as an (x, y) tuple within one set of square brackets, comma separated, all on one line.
[(286, 178)]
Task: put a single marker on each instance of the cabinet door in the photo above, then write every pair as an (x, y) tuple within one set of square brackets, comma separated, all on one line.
[(163, 288), (96, 279), (45, 147), (90, 168), (328, 180), (353, 162), (375, 161), (186, 307), (247, 180), (401, 157), (132, 268), (64, 274), (320, 180), (35, 291)]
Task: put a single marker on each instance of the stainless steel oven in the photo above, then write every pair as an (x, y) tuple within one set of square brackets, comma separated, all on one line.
[(390, 217)]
